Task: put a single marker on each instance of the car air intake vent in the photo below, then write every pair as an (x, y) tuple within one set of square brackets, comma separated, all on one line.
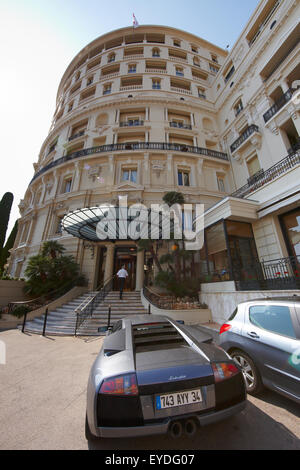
[(156, 335)]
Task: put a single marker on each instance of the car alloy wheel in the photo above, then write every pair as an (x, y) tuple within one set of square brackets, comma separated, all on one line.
[(250, 372)]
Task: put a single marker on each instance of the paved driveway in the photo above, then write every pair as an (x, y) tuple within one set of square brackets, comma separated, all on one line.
[(42, 404)]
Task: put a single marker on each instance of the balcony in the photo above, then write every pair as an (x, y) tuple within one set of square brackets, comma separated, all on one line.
[(141, 146), (264, 177), (180, 125), (283, 100), (131, 123), (244, 137), (75, 136)]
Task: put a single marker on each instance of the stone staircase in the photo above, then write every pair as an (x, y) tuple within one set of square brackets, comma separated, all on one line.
[(62, 321)]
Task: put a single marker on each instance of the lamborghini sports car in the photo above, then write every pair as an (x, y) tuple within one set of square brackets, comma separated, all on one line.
[(154, 375)]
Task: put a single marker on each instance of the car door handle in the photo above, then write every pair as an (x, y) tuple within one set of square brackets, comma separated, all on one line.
[(253, 335)]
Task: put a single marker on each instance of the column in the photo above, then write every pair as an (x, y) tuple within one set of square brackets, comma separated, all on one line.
[(139, 270), (109, 263), (170, 170)]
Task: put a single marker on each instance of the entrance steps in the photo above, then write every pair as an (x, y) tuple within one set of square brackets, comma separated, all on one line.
[(62, 321)]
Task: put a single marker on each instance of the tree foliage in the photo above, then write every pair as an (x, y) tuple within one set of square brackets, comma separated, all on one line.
[(50, 270), (5, 208)]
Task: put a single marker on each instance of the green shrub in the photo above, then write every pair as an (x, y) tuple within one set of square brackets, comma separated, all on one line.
[(20, 311)]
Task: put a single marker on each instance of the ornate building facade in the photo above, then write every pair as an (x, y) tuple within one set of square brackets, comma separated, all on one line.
[(146, 111)]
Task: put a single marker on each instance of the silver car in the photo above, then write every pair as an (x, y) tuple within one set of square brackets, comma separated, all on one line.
[(263, 338), (154, 375)]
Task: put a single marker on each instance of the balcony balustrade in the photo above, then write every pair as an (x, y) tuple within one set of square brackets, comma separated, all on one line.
[(264, 177), (131, 123), (141, 146), (180, 125), (75, 136), (245, 135), (283, 100)]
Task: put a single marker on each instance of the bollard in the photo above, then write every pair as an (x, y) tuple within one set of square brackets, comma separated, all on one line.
[(109, 313), (24, 321), (149, 309), (45, 322)]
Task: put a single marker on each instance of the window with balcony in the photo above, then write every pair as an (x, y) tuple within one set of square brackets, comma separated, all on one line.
[(198, 75), (78, 129), (88, 94), (129, 174), (262, 20), (93, 63), (176, 54), (253, 165), (183, 178), (75, 88), (133, 51)]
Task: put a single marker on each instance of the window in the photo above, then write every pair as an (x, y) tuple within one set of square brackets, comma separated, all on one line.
[(67, 185), (70, 107), (177, 43), (290, 223), (111, 58), (196, 61), (221, 184), (58, 228), (183, 178), (89, 81), (132, 68), (156, 84), (229, 74), (201, 93), (194, 49), (238, 108), (274, 318), (253, 165), (214, 58), (107, 89), (179, 72), (129, 175), (213, 68), (155, 53)]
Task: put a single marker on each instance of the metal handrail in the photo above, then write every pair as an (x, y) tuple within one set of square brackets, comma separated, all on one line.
[(85, 312), (39, 301), (158, 300)]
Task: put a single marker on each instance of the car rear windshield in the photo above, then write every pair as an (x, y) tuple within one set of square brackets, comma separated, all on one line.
[(150, 337)]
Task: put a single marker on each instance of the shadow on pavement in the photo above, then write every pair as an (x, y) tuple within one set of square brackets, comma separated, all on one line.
[(252, 429)]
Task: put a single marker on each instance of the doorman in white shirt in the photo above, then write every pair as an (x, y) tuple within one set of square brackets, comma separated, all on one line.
[(122, 274)]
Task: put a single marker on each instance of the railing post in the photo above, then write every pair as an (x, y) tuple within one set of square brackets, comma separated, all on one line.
[(45, 322), (24, 322), (109, 314)]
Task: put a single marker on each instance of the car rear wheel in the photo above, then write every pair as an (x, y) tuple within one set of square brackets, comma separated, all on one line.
[(250, 372)]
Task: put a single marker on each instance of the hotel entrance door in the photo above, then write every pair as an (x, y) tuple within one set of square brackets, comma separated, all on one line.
[(126, 256)]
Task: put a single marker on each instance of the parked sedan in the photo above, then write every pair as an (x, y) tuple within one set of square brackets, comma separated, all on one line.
[(154, 375), (263, 338)]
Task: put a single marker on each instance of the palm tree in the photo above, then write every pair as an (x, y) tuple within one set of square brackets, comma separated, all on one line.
[(52, 249)]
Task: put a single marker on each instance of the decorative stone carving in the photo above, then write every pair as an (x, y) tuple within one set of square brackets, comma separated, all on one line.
[(158, 167)]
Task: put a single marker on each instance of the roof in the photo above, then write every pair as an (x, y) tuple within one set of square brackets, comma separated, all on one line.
[(288, 298)]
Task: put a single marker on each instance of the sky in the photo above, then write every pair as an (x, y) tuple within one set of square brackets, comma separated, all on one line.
[(38, 40)]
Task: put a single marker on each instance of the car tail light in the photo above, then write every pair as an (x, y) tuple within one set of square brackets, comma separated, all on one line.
[(224, 371), (121, 385), (225, 327)]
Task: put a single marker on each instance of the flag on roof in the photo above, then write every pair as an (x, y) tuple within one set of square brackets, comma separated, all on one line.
[(135, 21)]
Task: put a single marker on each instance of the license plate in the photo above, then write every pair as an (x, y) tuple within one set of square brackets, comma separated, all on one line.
[(178, 399)]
